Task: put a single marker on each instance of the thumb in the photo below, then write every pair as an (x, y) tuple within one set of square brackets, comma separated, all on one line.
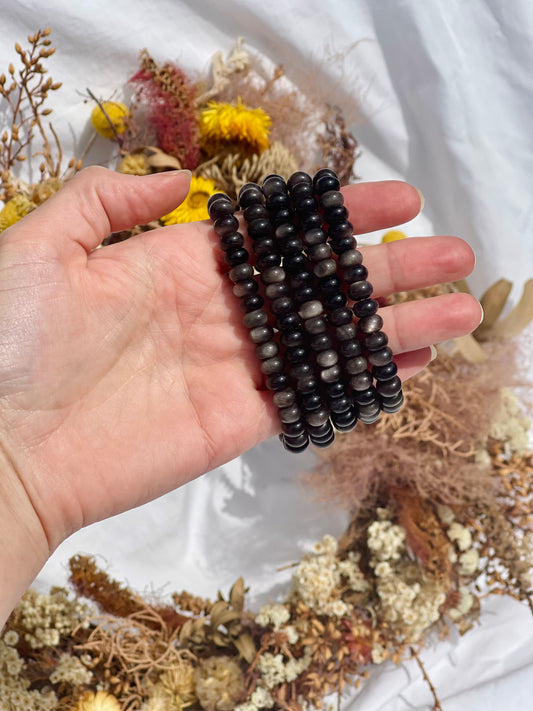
[(98, 201)]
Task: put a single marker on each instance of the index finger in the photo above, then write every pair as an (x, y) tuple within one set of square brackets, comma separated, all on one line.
[(381, 204)]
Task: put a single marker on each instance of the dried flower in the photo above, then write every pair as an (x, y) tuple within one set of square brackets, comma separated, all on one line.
[(219, 683), (194, 207), (134, 164), (99, 701), (14, 210), (393, 236), (228, 124), (174, 690), (71, 670), (110, 118), (275, 615)]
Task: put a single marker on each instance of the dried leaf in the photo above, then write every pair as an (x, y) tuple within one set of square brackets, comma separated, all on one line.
[(517, 319), (470, 349), (245, 646), (236, 595), (158, 159), (493, 302)]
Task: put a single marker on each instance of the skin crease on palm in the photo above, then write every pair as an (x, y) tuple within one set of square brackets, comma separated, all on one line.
[(126, 371)]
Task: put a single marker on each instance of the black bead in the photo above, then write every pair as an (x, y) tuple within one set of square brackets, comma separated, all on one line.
[(330, 284), (264, 246), (312, 401), (340, 230), (299, 177), (331, 375), (314, 236), (355, 365), (250, 194), (278, 201), (344, 420), (347, 332), (331, 198), (294, 262), (267, 350), (365, 397), (290, 339), (268, 260), (388, 388), (370, 324), (361, 381), (356, 273), (304, 293), (289, 322), (334, 301), (310, 221), (324, 268), (296, 442), (385, 372), (321, 342), (282, 305), (321, 172), (340, 317), (236, 255), (251, 302), (273, 183), (279, 217), (301, 278), (326, 183), (317, 417), (291, 246), (301, 370), (278, 381), (295, 449), (376, 341), (343, 244), (340, 404), (322, 443), (255, 212), (350, 348), (307, 384), (366, 307), (240, 272), (272, 365), (360, 290), (285, 230), (320, 431), (350, 257), (347, 428), (316, 324), (245, 288), (333, 215), (272, 275), (318, 252), (235, 239), (261, 334), (220, 208), (226, 225), (298, 354), (256, 318), (301, 190), (259, 228), (277, 289), (292, 428), (391, 399), (337, 389), (305, 205)]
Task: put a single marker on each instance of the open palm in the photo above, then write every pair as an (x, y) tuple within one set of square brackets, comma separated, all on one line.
[(126, 371)]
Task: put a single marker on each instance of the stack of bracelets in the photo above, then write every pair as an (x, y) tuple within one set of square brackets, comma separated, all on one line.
[(326, 371)]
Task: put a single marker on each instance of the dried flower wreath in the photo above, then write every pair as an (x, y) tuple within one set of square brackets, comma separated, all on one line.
[(440, 513)]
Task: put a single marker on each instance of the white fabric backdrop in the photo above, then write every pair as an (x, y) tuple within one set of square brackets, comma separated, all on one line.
[(444, 94)]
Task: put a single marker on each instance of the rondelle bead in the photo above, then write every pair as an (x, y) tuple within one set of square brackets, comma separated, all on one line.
[(321, 342), (369, 419), (361, 381), (356, 272), (343, 418), (253, 319), (321, 172), (273, 274), (296, 440), (294, 263), (306, 205), (285, 231), (226, 225), (365, 308), (376, 341), (278, 381), (240, 272), (350, 348), (261, 334), (245, 287), (391, 409), (365, 397), (370, 324), (391, 399), (298, 354), (299, 177), (317, 417), (254, 212), (220, 208), (282, 305), (340, 317), (314, 236), (268, 260), (307, 384), (322, 443), (326, 359), (331, 198), (290, 339), (381, 357), (330, 375), (264, 246), (296, 449), (336, 389), (290, 414), (267, 350), (315, 325), (251, 302), (318, 252), (289, 321), (310, 221), (300, 278), (335, 214), (340, 404), (236, 255), (290, 428), (360, 290), (356, 365), (304, 293), (385, 372), (388, 388), (330, 284), (293, 245), (250, 194), (279, 217), (235, 239), (301, 190), (347, 428), (301, 370), (346, 332), (259, 228), (325, 268), (350, 258), (326, 183), (273, 183), (319, 430), (344, 244), (272, 365), (277, 289), (335, 301), (310, 309), (277, 201), (340, 230), (369, 410), (312, 401)]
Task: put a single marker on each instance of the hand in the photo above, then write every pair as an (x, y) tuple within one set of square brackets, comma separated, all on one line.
[(126, 370)]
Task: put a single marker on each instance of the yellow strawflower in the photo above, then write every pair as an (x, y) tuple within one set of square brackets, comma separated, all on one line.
[(194, 207), (117, 114), (99, 701), (14, 209), (393, 235), (222, 123)]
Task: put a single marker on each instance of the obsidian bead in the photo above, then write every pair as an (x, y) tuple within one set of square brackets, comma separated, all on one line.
[(307, 384), (246, 287), (220, 208), (294, 263), (369, 410), (369, 419), (296, 440), (365, 308), (251, 302), (290, 339), (250, 194), (314, 236), (327, 358), (296, 449), (323, 171), (235, 239), (282, 305), (337, 214), (256, 318), (357, 272), (277, 289), (300, 278), (321, 342), (350, 258), (344, 244), (381, 357), (340, 230), (370, 324), (340, 317), (297, 354), (343, 418), (318, 252), (391, 399), (330, 284), (290, 246), (261, 334), (347, 428), (326, 183), (332, 302), (280, 217), (365, 397), (255, 212), (335, 389), (268, 260), (299, 177), (292, 428), (240, 272), (267, 350), (310, 221), (315, 325), (285, 398), (285, 231), (391, 409), (323, 442), (347, 332), (278, 201), (310, 309), (340, 404), (361, 381), (331, 198), (273, 275), (278, 381), (312, 401), (236, 255), (226, 225), (317, 417), (301, 370), (360, 290), (272, 365), (305, 205), (350, 348), (331, 375), (304, 293), (273, 183), (259, 228), (326, 267), (264, 246), (385, 372), (376, 341), (289, 321), (355, 365), (388, 388), (301, 190), (319, 431)]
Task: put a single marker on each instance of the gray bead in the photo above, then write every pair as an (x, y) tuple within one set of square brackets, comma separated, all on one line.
[(369, 419), (326, 359), (289, 414), (284, 398), (255, 318), (333, 198), (361, 382), (326, 267), (315, 325), (245, 287), (319, 252), (330, 375), (318, 417), (274, 291), (310, 309), (381, 357), (346, 332), (370, 324), (272, 275), (314, 236), (272, 365), (369, 410), (240, 272), (355, 365), (350, 258), (261, 334), (267, 350)]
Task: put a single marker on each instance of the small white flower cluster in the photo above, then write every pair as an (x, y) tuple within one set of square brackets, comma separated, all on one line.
[(386, 540), (47, 617), (320, 573), (260, 699), (468, 558), (509, 424), (275, 671), (275, 615), (71, 670), (14, 692), (463, 606)]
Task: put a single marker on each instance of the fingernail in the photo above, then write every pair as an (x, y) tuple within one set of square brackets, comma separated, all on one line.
[(422, 199), (434, 353), (171, 172), (482, 314)]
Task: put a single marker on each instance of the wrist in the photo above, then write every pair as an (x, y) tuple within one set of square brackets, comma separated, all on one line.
[(23, 543)]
